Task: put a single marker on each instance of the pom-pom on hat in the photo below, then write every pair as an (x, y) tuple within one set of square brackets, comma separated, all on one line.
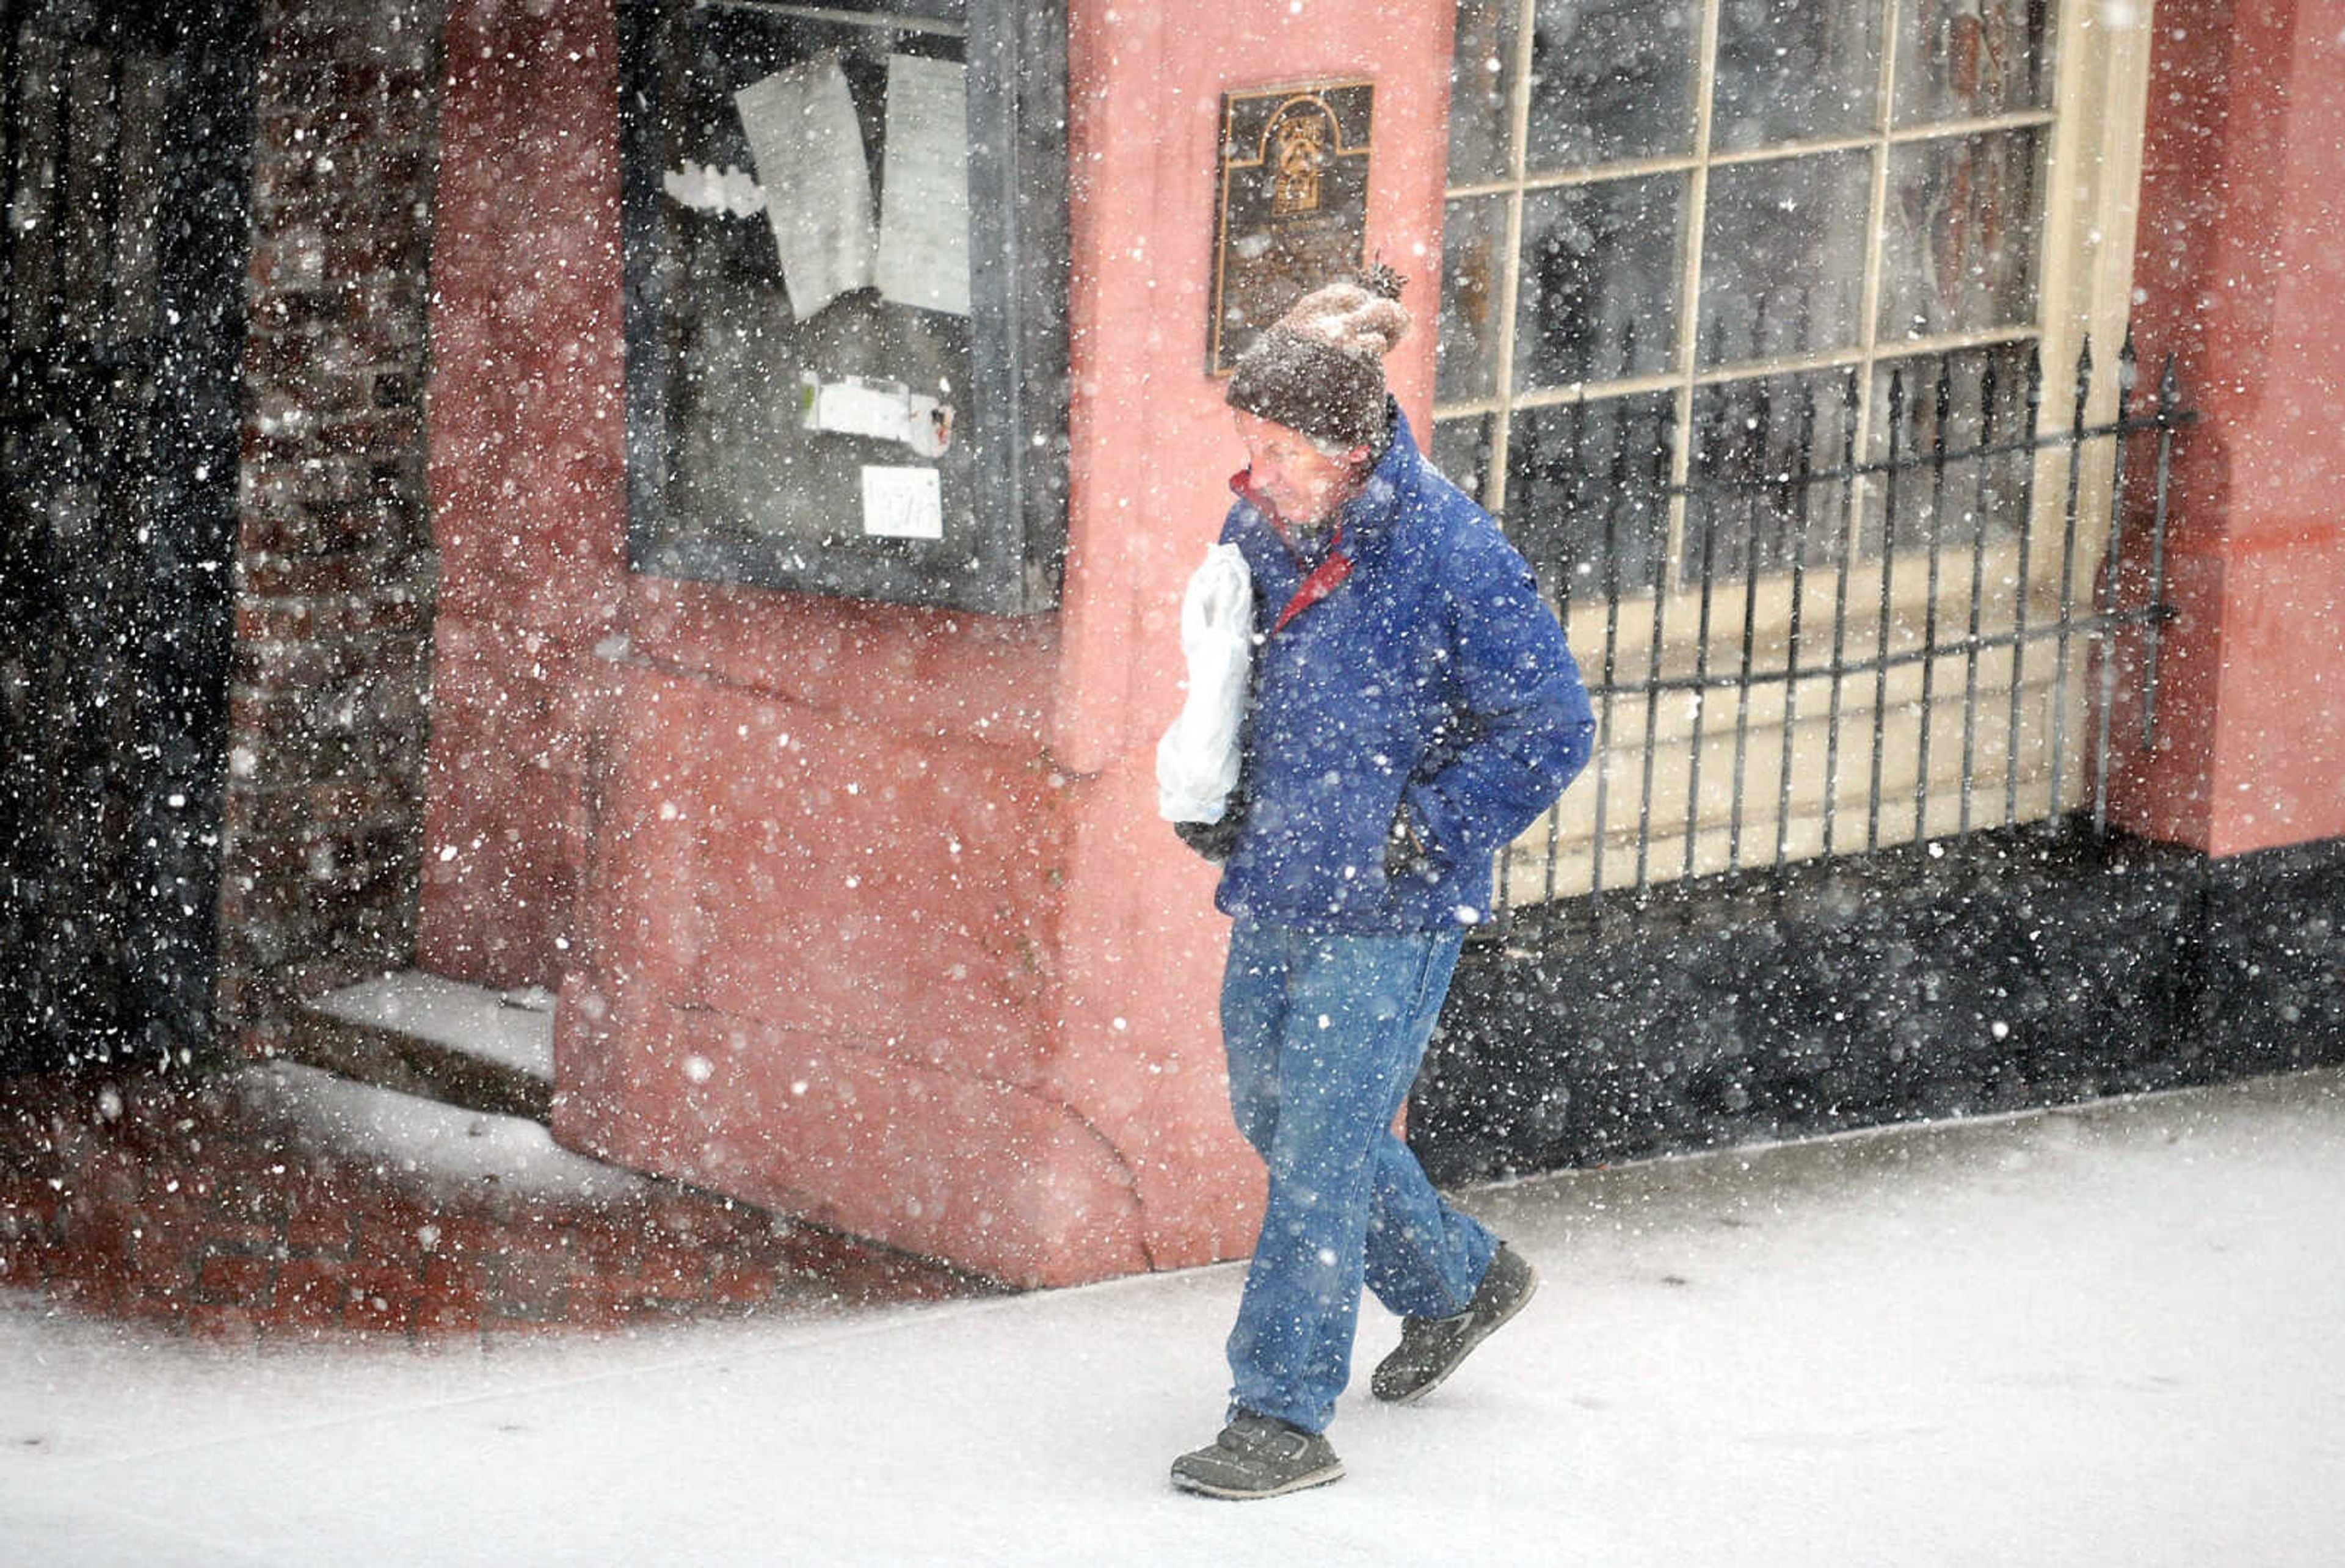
[(1319, 368)]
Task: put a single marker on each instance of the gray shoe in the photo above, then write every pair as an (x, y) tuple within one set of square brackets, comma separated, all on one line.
[(1432, 1348), (1258, 1456)]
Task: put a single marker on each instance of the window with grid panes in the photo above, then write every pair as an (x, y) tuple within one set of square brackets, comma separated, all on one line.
[(1701, 240)]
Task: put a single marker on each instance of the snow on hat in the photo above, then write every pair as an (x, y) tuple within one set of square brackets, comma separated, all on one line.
[(1319, 368)]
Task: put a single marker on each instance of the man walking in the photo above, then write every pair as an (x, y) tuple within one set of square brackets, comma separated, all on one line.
[(1414, 708)]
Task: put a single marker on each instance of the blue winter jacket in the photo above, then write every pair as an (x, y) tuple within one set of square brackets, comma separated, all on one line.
[(1432, 673)]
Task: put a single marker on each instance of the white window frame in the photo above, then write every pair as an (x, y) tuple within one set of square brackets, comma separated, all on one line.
[(2090, 198)]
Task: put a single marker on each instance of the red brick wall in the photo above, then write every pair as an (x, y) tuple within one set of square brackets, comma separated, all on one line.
[(527, 478), (334, 568)]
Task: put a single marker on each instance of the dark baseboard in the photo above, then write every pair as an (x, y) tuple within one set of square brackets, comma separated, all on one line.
[(2004, 970), (389, 1058)]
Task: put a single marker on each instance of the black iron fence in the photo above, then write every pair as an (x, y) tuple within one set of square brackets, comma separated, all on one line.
[(1868, 614)]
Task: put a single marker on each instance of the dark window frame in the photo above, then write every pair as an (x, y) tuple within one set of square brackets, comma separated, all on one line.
[(1018, 395)]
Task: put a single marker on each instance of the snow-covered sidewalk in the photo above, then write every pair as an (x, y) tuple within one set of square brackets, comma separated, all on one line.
[(2100, 1336)]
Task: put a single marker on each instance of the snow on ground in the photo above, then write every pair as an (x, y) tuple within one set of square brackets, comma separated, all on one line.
[(2099, 1336), (513, 1029)]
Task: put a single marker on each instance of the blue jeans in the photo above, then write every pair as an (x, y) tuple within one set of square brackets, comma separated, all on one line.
[(1324, 1033)]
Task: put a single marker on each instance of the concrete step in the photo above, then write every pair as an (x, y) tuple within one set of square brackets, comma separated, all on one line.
[(441, 1039)]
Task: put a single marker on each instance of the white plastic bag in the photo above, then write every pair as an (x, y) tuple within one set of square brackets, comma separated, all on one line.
[(1197, 759)]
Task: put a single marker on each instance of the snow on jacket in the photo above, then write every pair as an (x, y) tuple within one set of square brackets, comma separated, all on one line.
[(1433, 674)]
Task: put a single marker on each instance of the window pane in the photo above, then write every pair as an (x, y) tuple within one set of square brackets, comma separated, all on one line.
[(1611, 79), (30, 246), (1959, 250), (92, 161), (1795, 69), (1754, 499), (1588, 494), (905, 484), (1461, 450), (1784, 258), (1473, 245), (1961, 59), (146, 88), (1972, 402), (1482, 88), (1598, 297)]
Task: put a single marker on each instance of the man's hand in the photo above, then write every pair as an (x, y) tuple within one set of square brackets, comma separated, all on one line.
[(1213, 840), (1406, 853)]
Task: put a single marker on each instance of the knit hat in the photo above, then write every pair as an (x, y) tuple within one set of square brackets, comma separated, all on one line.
[(1319, 368)]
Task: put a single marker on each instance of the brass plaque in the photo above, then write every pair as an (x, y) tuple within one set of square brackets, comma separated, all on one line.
[(1293, 207)]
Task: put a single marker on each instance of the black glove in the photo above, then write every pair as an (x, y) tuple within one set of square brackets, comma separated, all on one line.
[(1215, 839), (1406, 853)]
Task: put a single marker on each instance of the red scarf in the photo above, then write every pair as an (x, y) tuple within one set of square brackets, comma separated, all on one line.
[(1322, 581)]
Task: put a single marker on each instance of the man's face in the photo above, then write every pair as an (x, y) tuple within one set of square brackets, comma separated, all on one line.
[(1299, 479)]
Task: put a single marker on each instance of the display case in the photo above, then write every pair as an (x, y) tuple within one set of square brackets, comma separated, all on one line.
[(845, 298)]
